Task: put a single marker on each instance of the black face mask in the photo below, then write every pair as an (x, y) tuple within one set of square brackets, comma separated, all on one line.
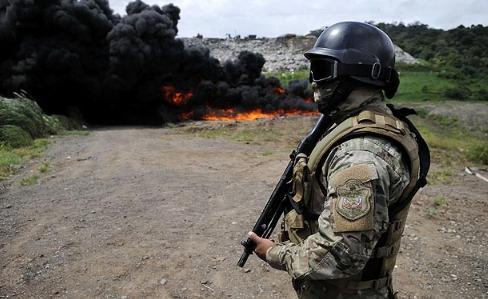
[(329, 94)]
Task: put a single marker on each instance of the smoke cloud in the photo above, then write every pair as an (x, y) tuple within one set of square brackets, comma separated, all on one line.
[(79, 56)]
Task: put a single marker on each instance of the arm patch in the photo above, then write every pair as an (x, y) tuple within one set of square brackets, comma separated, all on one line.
[(352, 198)]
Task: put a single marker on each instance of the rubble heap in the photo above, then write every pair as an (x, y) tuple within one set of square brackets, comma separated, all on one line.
[(283, 53)]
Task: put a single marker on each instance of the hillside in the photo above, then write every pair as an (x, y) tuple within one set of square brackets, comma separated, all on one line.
[(283, 53)]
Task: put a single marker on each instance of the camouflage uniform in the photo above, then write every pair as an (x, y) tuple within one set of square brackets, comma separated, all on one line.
[(325, 253)]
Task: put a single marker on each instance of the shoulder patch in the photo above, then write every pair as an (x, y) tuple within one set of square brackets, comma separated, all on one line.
[(353, 199), (351, 195)]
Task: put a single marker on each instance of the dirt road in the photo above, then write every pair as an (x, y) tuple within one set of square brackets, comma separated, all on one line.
[(140, 212)]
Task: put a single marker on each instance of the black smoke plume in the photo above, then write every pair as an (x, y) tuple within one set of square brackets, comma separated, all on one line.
[(77, 55)]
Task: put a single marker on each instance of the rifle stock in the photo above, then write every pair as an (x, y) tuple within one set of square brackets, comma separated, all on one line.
[(278, 201)]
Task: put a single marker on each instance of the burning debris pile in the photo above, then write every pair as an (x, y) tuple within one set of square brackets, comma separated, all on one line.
[(76, 55)]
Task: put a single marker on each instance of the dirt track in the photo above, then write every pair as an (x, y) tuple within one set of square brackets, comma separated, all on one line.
[(138, 212)]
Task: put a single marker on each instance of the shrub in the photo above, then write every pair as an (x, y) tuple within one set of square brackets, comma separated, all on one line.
[(53, 124), (458, 93), (479, 153), (68, 123), (14, 136), (23, 113)]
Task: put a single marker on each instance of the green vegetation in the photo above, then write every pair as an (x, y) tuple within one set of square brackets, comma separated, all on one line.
[(28, 181), (75, 133), (449, 141), (440, 201), (9, 162), (446, 137), (286, 77), (44, 167), (22, 128), (245, 135), (459, 54), (22, 120), (444, 175), (12, 158), (417, 85), (14, 136), (478, 152)]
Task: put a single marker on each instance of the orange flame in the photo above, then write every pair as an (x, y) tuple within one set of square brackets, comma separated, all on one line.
[(174, 97), (231, 114), (279, 90)]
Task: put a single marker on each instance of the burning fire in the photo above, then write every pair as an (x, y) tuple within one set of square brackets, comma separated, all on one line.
[(180, 99), (232, 114), (279, 90), (174, 97)]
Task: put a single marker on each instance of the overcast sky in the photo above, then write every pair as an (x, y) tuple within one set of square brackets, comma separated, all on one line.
[(216, 18)]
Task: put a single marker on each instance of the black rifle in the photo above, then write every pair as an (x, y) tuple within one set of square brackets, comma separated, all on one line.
[(279, 201)]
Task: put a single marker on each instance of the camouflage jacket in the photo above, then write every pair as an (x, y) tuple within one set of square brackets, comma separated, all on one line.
[(332, 253)]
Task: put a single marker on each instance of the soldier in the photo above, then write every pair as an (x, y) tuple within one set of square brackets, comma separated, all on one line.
[(351, 195)]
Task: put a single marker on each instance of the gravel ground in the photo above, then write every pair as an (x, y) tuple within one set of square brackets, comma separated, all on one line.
[(158, 213)]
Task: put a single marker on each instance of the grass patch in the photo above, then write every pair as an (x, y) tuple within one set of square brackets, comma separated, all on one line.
[(9, 161), (451, 142), (44, 167), (170, 125), (245, 135), (286, 77), (266, 153), (416, 83), (12, 158), (422, 86), (75, 133), (441, 176), (29, 181), (440, 201), (478, 152), (34, 150)]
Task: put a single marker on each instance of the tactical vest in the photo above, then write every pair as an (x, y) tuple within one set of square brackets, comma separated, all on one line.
[(301, 221)]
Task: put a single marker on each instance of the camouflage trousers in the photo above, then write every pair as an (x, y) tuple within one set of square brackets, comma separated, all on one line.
[(319, 289)]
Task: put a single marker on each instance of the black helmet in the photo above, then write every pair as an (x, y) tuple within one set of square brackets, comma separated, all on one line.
[(356, 50)]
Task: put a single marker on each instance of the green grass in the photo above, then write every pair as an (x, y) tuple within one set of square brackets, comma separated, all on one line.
[(266, 153), (444, 175), (9, 162), (478, 152), (74, 133), (34, 150), (451, 142), (245, 135), (440, 201), (286, 77), (44, 167), (29, 181), (421, 86), (423, 82), (416, 83), (12, 158)]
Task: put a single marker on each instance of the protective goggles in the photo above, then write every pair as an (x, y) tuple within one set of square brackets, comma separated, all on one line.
[(323, 70)]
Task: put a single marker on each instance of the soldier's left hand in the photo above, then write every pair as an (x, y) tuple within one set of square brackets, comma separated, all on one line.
[(262, 245)]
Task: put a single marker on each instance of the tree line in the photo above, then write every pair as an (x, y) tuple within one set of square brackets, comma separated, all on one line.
[(461, 51)]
